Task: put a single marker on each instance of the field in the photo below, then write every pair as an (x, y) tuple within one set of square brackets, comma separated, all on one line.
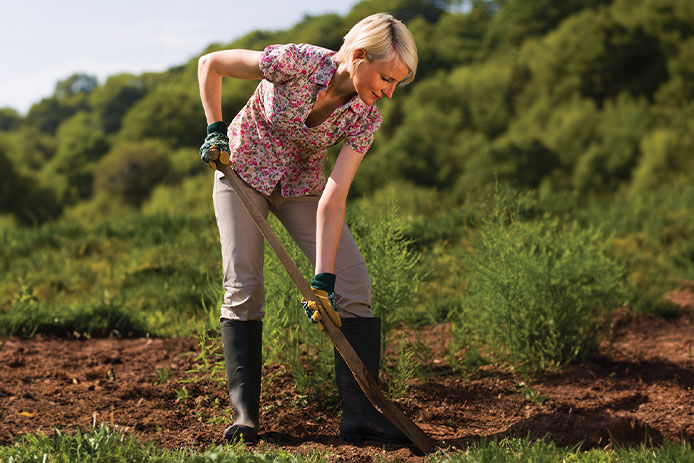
[(636, 388), (526, 215)]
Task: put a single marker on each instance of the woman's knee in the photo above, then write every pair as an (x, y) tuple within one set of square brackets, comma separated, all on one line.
[(243, 303)]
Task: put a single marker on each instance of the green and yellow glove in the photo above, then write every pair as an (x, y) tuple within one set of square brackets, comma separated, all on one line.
[(216, 146), (323, 286)]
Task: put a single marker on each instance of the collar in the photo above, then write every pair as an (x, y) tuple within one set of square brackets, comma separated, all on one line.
[(322, 75), (324, 71)]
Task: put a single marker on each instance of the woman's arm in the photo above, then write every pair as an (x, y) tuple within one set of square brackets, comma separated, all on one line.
[(241, 64), (330, 217)]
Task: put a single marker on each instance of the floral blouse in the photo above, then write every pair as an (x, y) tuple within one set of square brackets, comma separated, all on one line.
[(269, 142)]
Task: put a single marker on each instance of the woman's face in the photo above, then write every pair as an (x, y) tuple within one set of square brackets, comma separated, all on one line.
[(375, 79)]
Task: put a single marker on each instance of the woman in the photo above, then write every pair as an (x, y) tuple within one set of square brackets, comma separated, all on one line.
[(309, 99)]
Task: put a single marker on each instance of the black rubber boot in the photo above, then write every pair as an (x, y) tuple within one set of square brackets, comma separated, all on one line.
[(360, 420), (243, 356)]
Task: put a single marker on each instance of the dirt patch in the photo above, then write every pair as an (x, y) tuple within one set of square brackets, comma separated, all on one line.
[(640, 384)]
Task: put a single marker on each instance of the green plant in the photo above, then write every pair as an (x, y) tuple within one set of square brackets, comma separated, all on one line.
[(469, 360), (289, 337), (106, 444), (652, 238), (406, 364), (182, 394), (395, 270), (536, 290), (209, 366), (531, 395), (163, 375)]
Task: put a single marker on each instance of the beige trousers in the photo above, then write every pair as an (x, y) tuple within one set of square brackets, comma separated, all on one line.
[(242, 252)]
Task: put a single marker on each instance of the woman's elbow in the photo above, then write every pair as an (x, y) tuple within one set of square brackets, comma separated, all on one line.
[(204, 62), (332, 204)]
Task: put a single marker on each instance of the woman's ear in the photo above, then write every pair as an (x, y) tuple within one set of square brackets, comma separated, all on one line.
[(359, 53)]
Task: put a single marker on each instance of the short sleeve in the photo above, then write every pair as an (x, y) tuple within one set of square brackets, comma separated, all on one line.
[(280, 62), (361, 138)]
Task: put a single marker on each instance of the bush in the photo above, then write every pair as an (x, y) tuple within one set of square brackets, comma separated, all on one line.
[(395, 270), (292, 340), (652, 238), (536, 290)]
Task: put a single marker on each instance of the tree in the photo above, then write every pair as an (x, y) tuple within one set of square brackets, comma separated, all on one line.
[(75, 84), (47, 114), (170, 113), (518, 20), (9, 119), (113, 100), (610, 160), (80, 144), (26, 199), (131, 170), (524, 162), (594, 56), (28, 149), (455, 39), (404, 10), (326, 31)]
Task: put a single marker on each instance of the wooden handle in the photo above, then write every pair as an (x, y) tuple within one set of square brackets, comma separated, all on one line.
[(366, 382)]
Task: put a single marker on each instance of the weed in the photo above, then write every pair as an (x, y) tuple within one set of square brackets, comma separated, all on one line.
[(300, 401), (182, 394), (536, 290), (290, 339), (395, 270), (163, 375), (469, 361), (408, 363), (531, 395), (209, 366)]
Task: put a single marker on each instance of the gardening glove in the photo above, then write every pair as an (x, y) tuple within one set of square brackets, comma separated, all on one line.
[(216, 146), (323, 286)]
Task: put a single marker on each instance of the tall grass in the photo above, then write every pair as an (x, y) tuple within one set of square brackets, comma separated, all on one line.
[(149, 269)]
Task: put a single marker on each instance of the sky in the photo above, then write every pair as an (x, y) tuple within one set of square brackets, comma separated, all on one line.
[(44, 41)]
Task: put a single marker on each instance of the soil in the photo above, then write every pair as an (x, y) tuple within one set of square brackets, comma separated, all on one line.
[(639, 385)]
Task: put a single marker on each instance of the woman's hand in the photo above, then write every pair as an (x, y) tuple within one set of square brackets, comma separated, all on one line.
[(323, 286), (216, 146)]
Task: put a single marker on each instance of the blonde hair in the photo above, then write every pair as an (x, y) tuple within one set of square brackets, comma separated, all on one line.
[(383, 38)]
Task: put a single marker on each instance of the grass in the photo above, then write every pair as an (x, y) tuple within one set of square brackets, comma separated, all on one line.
[(157, 271), (132, 274), (103, 444)]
